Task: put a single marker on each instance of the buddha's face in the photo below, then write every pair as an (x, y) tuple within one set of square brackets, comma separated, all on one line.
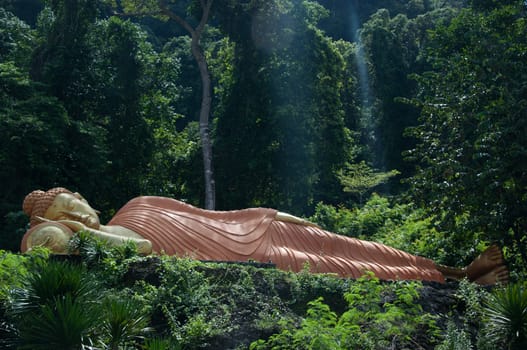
[(72, 206)]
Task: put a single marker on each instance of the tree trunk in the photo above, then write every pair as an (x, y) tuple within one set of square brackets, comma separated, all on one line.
[(206, 96), (206, 144)]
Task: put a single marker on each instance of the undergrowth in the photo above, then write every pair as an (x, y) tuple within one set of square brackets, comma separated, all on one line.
[(112, 298)]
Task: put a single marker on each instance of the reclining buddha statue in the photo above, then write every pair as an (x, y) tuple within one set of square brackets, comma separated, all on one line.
[(167, 226)]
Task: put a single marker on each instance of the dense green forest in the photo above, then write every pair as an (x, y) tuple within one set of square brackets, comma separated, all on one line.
[(313, 107), (397, 121)]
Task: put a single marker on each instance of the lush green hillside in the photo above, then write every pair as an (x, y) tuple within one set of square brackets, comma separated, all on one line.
[(113, 299)]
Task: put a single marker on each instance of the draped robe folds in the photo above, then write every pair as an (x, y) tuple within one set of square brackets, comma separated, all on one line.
[(177, 228)]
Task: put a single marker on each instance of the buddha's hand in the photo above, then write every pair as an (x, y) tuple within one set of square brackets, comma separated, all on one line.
[(52, 235), (73, 225)]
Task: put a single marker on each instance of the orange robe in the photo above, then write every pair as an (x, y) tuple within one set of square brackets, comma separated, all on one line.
[(177, 228)]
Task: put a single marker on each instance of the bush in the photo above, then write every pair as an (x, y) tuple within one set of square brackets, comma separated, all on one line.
[(455, 339), (53, 307), (12, 268), (380, 316), (361, 222), (400, 226), (505, 316), (57, 304), (123, 322)]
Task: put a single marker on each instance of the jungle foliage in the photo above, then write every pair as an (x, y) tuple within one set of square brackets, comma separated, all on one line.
[(398, 121), (111, 298)]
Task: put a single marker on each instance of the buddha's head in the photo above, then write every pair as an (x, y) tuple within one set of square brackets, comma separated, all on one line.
[(59, 204)]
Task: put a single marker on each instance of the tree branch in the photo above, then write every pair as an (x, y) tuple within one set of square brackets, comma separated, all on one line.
[(204, 14), (179, 20)]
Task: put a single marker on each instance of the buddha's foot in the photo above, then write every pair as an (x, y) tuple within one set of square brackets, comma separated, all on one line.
[(487, 263), (499, 274)]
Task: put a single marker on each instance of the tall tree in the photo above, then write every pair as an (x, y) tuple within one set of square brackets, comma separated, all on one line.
[(62, 62), (471, 137), (121, 58), (90, 111), (32, 129), (169, 9), (287, 107), (245, 130), (392, 46), (96, 69)]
